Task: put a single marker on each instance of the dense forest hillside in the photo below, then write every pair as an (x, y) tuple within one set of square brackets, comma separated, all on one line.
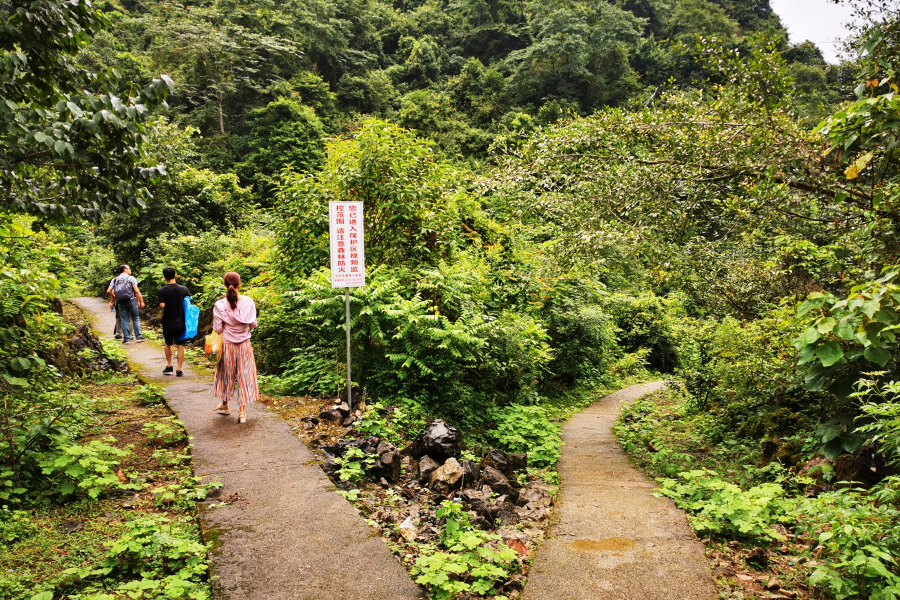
[(470, 75), (560, 197)]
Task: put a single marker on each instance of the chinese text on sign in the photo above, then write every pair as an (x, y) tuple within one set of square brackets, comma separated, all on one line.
[(345, 228)]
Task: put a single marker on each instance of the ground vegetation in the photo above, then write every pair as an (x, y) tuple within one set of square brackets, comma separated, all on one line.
[(560, 199)]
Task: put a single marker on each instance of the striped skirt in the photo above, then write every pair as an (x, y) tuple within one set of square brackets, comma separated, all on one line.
[(237, 370)]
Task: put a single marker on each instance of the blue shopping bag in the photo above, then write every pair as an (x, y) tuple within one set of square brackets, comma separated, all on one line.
[(191, 318)]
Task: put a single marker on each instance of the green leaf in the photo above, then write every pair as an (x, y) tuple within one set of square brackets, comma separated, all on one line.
[(831, 430), (879, 356), (852, 442), (805, 307), (870, 307), (16, 381), (826, 325), (833, 449), (809, 336), (807, 354), (845, 330), (816, 377), (830, 353)]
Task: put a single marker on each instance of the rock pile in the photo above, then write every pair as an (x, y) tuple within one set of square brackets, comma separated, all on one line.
[(403, 489), (432, 469)]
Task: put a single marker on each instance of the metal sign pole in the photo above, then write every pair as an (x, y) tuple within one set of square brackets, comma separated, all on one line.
[(349, 383)]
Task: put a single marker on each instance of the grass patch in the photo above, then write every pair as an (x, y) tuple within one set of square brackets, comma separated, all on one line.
[(73, 545)]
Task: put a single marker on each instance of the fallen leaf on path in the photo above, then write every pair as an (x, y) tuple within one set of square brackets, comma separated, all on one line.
[(517, 546)]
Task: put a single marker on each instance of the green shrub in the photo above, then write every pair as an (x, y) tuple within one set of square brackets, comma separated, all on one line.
[(185, 493), (352, 466), (861, 544), (16, 525), (189, 200), (158, 559), (87, 468), (528, 429), (164, 432), (314, 370), (647, 322), (716, 506), (584, 341), (285, 132), (381, 422), (470, 561)]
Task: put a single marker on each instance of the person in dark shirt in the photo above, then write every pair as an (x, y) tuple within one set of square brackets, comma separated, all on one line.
[(171, 299)]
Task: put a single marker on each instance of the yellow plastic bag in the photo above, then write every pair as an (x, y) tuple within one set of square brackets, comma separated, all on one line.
[(213, 347)]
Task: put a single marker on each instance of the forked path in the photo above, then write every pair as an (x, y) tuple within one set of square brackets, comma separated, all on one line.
[(612, 539), (285, 535)]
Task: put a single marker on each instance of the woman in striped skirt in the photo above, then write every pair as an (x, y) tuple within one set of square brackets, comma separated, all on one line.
[(234, 316)]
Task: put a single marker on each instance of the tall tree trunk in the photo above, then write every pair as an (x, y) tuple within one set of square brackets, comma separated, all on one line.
[(221, 116)]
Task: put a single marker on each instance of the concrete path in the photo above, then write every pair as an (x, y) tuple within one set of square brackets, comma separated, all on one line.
[(286, 536), (612, 540)]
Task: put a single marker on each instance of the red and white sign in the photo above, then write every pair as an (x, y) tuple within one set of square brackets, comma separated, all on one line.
[(348, 254)]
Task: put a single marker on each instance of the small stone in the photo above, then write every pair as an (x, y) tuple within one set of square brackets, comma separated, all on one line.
[(725, 572), (518, 461), (480, 523), (497, 460), (530, 495), (329, 466), (476, 499), (408, 530), (507, 515), (369, 444), (427, 466), (758, 556), (388, 463), (508, 535), (343, 409), (516, 582), (447, 477), (498, 483), (331, 416), (471, 472), (71, 526)]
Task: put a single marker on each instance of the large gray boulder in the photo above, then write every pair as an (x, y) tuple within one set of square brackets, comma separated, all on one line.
[(439, 441)]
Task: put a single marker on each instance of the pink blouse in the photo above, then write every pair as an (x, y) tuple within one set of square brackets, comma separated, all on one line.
[(235, 325)]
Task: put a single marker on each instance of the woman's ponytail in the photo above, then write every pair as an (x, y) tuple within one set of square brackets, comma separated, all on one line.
[(232, 283)]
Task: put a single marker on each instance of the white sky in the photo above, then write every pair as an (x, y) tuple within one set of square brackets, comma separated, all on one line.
[(820, 21)]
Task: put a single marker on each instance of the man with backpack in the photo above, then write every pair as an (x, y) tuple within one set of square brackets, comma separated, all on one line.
[(123, 290), (117, 329), (171, 299)]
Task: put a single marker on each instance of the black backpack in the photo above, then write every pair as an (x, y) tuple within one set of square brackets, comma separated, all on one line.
[(122, 288)]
